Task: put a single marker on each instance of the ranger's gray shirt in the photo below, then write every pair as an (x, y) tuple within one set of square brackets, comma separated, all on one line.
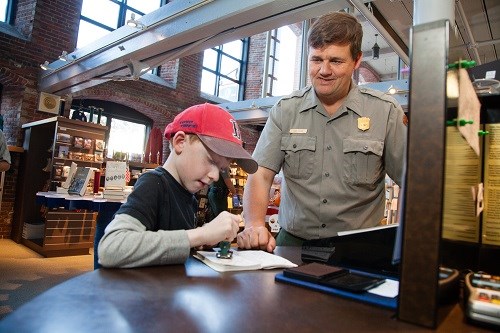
[(334, 167)]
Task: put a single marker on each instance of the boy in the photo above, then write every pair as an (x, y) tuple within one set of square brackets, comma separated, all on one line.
[(157, 224)]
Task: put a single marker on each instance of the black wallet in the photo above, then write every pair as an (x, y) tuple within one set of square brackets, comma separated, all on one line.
[(333, 276), (314, 272), (353, 282)]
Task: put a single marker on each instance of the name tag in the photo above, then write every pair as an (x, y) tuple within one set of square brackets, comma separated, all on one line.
[(298, 130)]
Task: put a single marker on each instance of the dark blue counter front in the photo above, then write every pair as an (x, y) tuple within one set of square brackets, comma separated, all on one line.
[(105, 209)]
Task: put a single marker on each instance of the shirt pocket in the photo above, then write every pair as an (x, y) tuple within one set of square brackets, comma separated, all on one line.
[(299, 155), (363, 163)]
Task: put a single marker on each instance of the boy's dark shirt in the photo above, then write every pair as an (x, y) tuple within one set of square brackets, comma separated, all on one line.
[(160, 203)]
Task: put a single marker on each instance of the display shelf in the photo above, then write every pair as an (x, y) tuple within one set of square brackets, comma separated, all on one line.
[(76, 161), (141, 165), (43, 162), (66, 233)]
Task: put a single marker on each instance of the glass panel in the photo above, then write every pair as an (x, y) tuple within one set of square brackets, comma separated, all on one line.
[(144, 6), (288, 63), (87, 114), (228, 90), (210, 59), (3, 10), (105, 12), (126, 136), (208, 82), (230, 68), (234, 48), (104, 120), (88, 33)]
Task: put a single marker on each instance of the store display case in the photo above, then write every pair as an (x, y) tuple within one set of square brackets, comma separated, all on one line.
[(51, 145)]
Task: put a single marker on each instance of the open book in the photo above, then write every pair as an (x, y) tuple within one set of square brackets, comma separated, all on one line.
[(243, 260)]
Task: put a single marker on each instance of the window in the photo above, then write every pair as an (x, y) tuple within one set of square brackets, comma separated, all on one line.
[(283, 62), (127, 137), (111, 15), (7, 11), (224, 70), (128, 129)]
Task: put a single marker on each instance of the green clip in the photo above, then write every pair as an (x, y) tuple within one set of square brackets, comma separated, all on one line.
[(225, 252), (483, 133), (462, 64), (461, 122)]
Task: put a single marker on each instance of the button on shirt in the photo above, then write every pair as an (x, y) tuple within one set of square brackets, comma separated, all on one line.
[(334, 172)]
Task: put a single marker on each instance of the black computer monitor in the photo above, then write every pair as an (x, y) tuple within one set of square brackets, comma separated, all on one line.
[(369, 250)]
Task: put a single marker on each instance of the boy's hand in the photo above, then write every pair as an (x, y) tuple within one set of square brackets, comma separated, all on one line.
[(256, 238), (222, 228)]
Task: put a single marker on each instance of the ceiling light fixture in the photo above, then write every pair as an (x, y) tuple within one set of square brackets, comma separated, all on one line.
[(63, 56), (393, 90), (376, 49), (137, 68), (132, 22), (45, 66)]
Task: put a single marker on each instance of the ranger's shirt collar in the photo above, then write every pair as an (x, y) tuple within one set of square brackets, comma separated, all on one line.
[(352, 101)]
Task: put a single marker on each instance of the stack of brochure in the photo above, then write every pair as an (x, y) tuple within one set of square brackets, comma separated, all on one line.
[(117, 192)]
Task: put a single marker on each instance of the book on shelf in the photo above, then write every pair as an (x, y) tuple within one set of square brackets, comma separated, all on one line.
[(243, 260), (470, 200), (80, 181), (69, 177), (63, 152)]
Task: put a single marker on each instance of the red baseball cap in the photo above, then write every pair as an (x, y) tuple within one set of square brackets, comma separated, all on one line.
[(217, 129)]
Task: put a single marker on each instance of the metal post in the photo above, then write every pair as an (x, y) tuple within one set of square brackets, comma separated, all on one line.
[(418, 293)]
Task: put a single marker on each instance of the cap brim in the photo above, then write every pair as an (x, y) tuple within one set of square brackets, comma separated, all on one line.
[(232, 151)]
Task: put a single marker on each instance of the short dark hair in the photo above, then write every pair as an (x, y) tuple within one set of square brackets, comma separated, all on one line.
[(336, 28)]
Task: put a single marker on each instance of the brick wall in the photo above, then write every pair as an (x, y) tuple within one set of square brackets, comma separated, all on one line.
[(368, 74), (45, 28), (255, 71)]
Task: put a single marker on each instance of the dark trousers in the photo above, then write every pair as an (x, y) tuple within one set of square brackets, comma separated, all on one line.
[(284, 238), (217, 200)]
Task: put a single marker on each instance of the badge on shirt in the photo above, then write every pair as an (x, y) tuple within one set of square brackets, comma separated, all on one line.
[(298, 130), (363, 123)]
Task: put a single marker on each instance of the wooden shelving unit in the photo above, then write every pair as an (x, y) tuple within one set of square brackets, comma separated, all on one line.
[(239, 178), (40, 170)]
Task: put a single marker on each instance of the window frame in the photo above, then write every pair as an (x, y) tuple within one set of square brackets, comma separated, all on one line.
[(274, 43), (243, 62), (121, 19)]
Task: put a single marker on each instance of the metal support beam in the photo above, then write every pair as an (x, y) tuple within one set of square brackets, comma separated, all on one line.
[(468, 31), (380, 28), (177, 29)]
